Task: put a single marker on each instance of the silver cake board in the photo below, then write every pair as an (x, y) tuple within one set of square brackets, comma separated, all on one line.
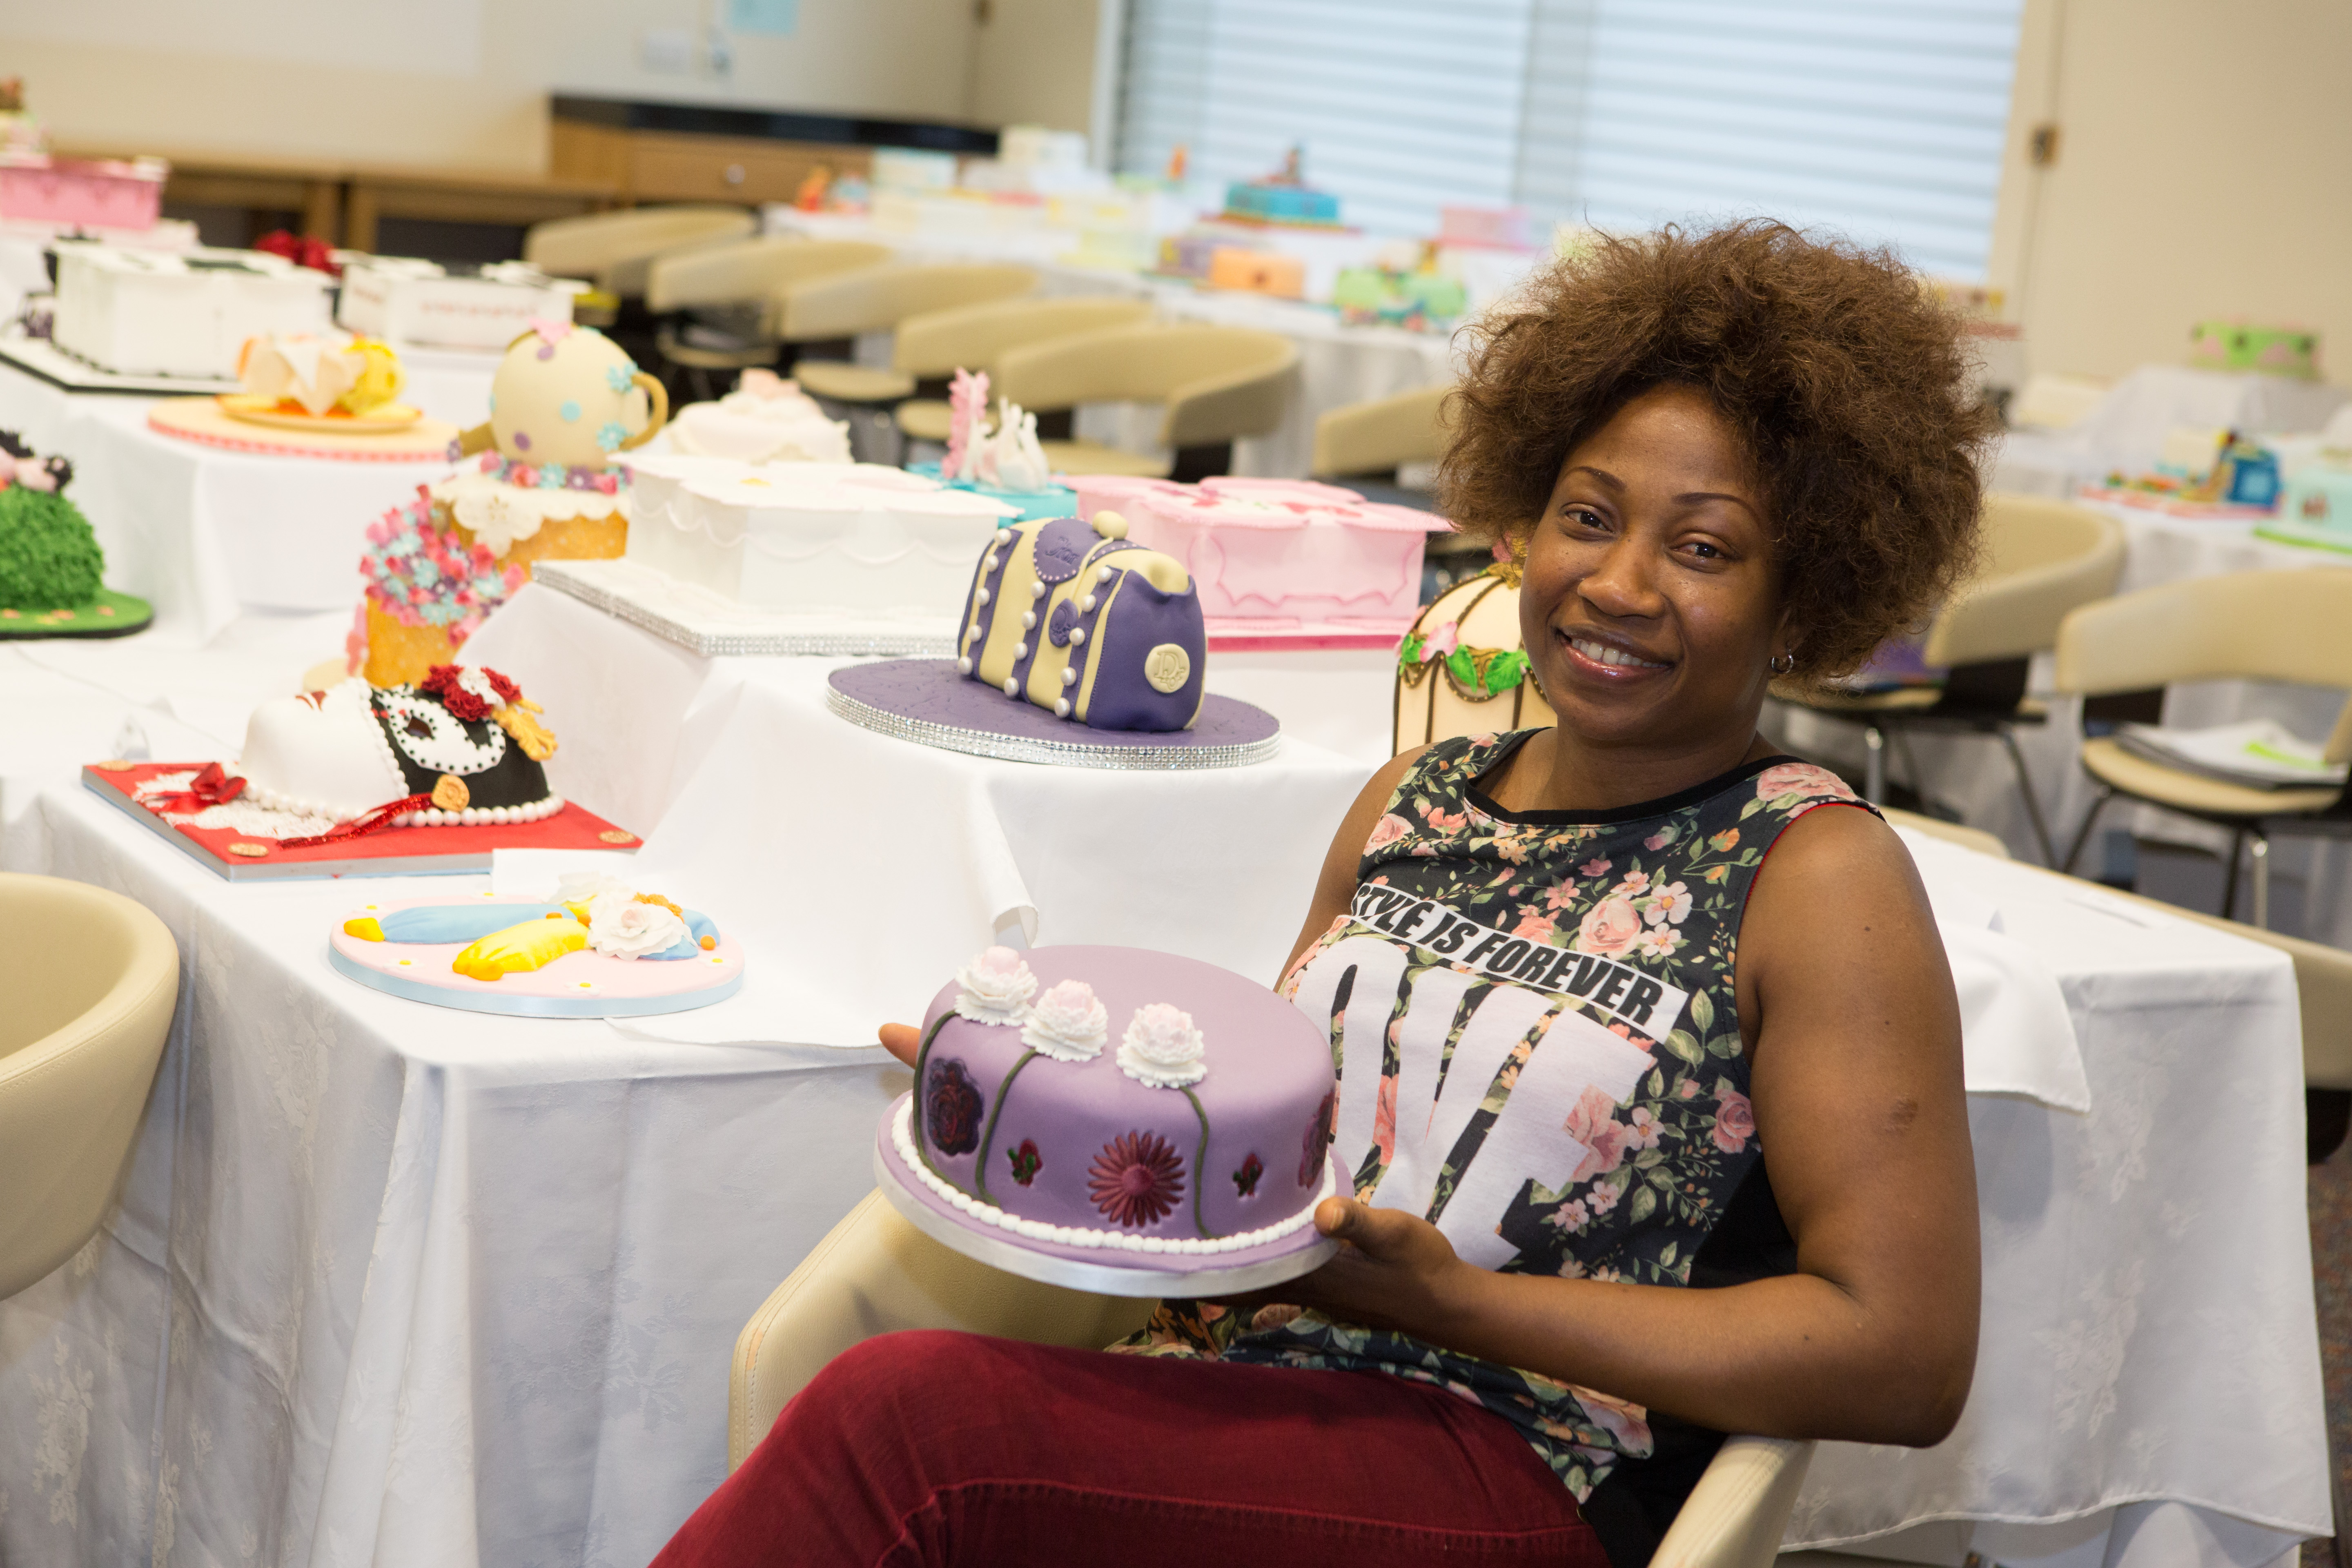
[(41, 358), (711, 625), (930, 1214), (926, 701)]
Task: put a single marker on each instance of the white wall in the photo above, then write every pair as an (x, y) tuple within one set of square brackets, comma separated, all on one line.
[(2204, 169), (97, 85), (1033, 63)]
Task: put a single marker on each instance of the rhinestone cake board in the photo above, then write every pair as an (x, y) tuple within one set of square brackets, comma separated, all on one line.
[(710, 625), (926, 701)]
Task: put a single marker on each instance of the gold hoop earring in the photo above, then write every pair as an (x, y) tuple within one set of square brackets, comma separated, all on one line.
[(1781, 663)]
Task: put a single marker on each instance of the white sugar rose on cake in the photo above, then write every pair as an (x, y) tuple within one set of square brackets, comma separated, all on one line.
[(1084, 1114)]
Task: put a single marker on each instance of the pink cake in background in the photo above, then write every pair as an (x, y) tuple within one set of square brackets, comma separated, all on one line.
[(1113, 1098), (1289, 561)]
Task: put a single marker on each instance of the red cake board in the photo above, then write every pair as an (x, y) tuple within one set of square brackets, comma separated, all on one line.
[(394, 852)]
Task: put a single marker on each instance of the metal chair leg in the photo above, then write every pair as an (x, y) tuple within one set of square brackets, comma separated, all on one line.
[(2025, 788), (2083, 833), (2261, 845), (2230, 877), (1873, 770)]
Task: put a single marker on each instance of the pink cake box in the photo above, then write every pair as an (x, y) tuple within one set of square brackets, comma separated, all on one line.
[(583, 985), (83, 192), (1296, 560)]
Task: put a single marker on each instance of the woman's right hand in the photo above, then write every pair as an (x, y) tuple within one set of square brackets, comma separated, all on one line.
[(901, 1040)]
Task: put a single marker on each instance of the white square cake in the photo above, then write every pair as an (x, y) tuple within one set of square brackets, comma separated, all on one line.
[(144, 312), (405, 301)]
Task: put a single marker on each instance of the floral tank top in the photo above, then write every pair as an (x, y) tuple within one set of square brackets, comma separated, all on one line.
[(1533, 1020)]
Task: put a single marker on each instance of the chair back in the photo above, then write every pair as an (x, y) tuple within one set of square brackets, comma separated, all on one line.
[(2042, 558), (875, 1274), (1217, 383), (2293, 627), (972, 337), (612, 249), (749, 270), (90, 980), (877, 298), (1380, 435)]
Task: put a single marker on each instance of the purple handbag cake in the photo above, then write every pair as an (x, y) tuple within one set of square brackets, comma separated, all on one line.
[(1116, 1098), (1085, 625)]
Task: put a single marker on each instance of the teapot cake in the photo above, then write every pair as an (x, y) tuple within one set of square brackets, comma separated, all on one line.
[(1079, 620), (564, 402), (1140, 1107)]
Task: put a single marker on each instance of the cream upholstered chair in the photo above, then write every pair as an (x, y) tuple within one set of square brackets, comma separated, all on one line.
[(2042, 558), (728, 292), (932, 347), (832, 309), (2287, 626), (614, 250), (875, 1274), (89, 980), (1216, 385), (1375, 438)]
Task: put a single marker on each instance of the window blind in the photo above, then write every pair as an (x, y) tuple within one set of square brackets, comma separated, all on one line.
[(1399, 112), (1883, 119)]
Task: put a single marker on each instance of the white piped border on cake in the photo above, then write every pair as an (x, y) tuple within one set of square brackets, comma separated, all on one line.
[(902, 1139)]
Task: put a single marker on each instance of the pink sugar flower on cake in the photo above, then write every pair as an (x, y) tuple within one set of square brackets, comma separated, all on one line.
[(1161, 1048), (1068, 1023), (996, 988)]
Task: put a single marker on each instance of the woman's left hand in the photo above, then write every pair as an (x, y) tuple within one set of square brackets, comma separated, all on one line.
[(1393, 1270)]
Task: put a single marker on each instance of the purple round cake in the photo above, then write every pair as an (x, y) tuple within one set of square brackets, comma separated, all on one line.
[(1113, 1099)]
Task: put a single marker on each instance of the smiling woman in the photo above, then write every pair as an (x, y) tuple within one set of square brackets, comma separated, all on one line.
[(1574, 1020)]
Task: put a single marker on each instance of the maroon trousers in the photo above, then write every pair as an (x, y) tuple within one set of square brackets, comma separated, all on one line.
[(937, 1448)]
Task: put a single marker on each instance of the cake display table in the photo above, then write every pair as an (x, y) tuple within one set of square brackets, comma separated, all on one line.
[(203, 419), (925, 701)]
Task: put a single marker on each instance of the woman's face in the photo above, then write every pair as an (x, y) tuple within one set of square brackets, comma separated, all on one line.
[(1652, 605)]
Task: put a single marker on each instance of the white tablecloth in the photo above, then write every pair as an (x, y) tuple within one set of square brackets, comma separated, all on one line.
[(1339, 364), (205, 534), (400, 1286)]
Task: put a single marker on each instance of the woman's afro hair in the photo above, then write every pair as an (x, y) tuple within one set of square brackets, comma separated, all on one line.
[(1847, 382)]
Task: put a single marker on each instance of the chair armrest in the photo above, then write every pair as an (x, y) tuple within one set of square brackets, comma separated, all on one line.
[(1229, 406), (875, 1274), (1736, 1514)]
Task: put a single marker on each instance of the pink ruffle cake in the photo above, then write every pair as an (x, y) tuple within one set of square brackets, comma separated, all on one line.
[(1116, 1098)]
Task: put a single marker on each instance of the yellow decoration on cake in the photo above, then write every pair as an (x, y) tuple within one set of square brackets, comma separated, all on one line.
[(538, 743), (364, 927), (380, 379), (305, 375), (533, 944), (665, 903), (450, 794)]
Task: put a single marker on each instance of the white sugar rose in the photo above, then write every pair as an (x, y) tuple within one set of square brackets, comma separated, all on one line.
[(620, 927), (580, 887), (1161, 1048), (1068, 1024), (996, 988)]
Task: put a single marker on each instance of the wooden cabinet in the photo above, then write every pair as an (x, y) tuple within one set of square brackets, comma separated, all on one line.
[(676, 166)]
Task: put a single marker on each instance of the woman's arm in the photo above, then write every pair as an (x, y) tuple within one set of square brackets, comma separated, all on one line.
[(1847, 1003)]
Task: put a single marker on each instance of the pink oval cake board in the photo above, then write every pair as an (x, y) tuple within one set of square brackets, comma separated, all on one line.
[(577, 985), (1090, 1268), (202, 419)]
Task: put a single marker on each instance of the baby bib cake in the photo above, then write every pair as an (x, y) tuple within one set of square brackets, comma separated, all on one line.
[(1118, 1106)]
